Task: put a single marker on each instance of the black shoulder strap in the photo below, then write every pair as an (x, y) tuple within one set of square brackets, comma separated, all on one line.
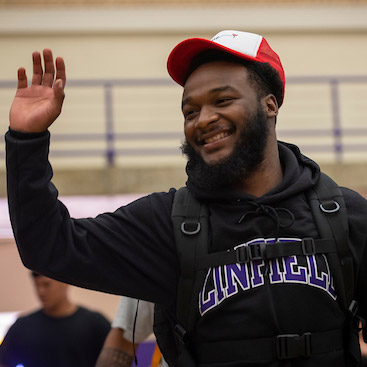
[(330, 216), (191, 230)]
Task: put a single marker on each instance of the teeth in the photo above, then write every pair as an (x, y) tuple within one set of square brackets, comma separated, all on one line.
[(216, 137)]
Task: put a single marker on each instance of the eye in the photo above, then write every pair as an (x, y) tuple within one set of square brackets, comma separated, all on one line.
[(189, 114), (224, 100)]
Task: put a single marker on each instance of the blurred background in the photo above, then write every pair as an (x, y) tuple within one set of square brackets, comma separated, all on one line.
[(121, 127)]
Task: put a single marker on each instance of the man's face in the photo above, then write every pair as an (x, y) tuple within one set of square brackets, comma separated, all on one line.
[(218, 101), (225, 125), (50, 292)]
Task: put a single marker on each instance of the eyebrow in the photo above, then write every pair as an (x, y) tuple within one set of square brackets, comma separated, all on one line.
[(212, 91)]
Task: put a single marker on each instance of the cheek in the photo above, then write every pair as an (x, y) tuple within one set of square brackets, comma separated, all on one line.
[(189, 131)]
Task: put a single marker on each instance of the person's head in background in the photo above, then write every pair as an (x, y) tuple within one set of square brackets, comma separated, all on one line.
[(53, 296)]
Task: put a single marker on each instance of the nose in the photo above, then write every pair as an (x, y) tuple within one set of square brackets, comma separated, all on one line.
[(206, 117)]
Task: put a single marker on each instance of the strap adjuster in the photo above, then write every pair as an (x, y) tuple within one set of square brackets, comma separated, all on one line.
[(242, 255), (180, 333), (353, 308), (293, 345), (254, 251), (308, 246)]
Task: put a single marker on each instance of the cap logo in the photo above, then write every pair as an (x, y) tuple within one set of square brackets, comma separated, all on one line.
[(233, 35), (244, 45)]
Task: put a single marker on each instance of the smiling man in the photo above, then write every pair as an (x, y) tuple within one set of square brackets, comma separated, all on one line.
[(229, 140), (262, 282)]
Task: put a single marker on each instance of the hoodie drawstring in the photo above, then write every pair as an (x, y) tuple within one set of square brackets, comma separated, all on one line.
[(272, 213)]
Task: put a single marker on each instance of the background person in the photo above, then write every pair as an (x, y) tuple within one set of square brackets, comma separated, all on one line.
[(118, 349), (60, 334)]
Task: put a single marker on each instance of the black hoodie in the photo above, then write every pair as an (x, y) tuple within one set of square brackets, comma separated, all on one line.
[(132, 252)]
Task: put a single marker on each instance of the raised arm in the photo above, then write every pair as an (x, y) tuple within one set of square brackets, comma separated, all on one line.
[(37, 106), (118, 252)]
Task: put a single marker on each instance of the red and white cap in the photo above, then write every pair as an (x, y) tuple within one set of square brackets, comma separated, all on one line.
[(248, 46)]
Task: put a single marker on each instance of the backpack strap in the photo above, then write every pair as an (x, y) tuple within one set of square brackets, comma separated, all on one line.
[(266, 251), (191, 230), (190, 220), (330, 216)]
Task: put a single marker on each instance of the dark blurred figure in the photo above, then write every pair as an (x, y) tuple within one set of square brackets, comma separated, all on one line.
[(60, 334)]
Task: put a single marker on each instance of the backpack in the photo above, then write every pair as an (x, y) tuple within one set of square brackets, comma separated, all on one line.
[(192, 230)]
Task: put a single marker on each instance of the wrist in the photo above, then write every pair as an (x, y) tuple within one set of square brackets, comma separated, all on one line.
[(26, 135)]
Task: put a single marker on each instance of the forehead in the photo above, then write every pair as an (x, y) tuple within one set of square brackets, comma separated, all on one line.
[(217, 74), (41, 280)]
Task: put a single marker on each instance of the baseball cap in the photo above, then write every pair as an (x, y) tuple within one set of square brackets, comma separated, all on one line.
[(245, 45)]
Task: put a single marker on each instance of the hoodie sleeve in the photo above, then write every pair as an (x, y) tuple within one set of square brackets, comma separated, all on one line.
[(129, 252)]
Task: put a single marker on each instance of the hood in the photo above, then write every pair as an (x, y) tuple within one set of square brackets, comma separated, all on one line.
[(299, 174)]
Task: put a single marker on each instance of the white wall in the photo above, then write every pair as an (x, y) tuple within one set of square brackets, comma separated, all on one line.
[(135, 43)]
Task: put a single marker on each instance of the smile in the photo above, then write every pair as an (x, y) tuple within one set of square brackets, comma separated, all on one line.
[(216, 137)]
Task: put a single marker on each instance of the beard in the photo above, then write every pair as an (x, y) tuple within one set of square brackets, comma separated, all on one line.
[(247, 155)]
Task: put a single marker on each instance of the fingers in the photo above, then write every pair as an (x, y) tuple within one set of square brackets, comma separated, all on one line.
[(60, 70), (22, 78), (37, 69), (59, 90), (47, 77)]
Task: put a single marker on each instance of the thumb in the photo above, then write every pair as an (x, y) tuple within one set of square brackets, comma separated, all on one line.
[(59, 90)]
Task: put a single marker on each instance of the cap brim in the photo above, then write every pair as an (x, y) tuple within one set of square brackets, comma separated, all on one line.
[(180, 59)]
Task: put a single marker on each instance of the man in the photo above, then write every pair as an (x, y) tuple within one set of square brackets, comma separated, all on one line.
[(249, 312), (59, 334), (133, 323)]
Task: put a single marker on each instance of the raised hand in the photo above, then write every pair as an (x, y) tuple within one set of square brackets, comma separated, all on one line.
[(36, 107)]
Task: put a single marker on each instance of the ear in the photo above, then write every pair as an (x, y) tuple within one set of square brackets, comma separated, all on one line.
[(270, 105)]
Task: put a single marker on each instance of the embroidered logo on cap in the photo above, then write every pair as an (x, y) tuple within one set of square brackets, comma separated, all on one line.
[(233, 35)]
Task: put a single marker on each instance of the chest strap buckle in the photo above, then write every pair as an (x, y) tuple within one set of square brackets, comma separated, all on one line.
[(293, 346), (254, 251)]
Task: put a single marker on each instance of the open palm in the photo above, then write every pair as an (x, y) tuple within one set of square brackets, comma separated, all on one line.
[(36, 107)]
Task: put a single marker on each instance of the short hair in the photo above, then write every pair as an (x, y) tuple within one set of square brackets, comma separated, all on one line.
[(265, 77)]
